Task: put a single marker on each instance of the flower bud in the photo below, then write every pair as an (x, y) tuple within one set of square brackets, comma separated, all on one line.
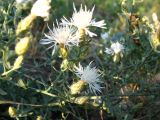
[(81, 100), (155, 42), (18, 62), (12, 112), (63, 51), (22, 46), (76, 88), (82, 34), (117, 57), (25, 24), (145, 19), (64, 64), (39, 117)]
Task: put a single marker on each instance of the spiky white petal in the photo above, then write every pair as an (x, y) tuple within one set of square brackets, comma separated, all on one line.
[(90, 76), (41, 8), (104, 35), (109, 51), (115, 48), (61, 35), (82, 19)]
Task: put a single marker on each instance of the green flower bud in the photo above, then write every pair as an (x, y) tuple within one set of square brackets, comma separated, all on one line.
[(76, 88), (18, 62), (81, 100), (63, 51), (39, 117), (64, 65), (22, 46), (12, 112), (82, 34), (25, 24), (117, 57), (155, 42)]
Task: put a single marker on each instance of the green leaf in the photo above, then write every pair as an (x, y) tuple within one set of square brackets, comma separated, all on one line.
[(2, 92)]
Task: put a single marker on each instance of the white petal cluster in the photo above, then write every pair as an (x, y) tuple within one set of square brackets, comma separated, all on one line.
[(41, 8), (82, 19), (115, 48), (62, 35), (90, 76)]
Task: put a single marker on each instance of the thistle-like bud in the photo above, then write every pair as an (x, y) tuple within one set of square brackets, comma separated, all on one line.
[(64, 64), (39, 117), (82, 34), (117, 57), (18, 62), (155, 35), (25, 24), (155, 42), (81, 100), (12, 112), (76, 88), (22, 46), (63, 51), (145, 19)]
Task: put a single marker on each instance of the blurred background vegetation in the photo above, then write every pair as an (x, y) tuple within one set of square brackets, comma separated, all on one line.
[(28, 89)]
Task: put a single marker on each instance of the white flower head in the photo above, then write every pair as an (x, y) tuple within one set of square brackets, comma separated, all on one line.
[(41, 8), (62, 35), (115, 48), (90, 76), (82, 19)]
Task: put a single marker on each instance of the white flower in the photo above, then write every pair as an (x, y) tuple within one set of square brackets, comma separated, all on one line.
[(82, 19), (41, 8), (115, 48), (90, 76), (62, 35)]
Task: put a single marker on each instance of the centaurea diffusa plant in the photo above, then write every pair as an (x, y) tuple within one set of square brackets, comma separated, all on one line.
[(21, 48), (41, 8), (62, 35), (40, 89), (87, 75), (155, 34), (82, 19), (116, 50)]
